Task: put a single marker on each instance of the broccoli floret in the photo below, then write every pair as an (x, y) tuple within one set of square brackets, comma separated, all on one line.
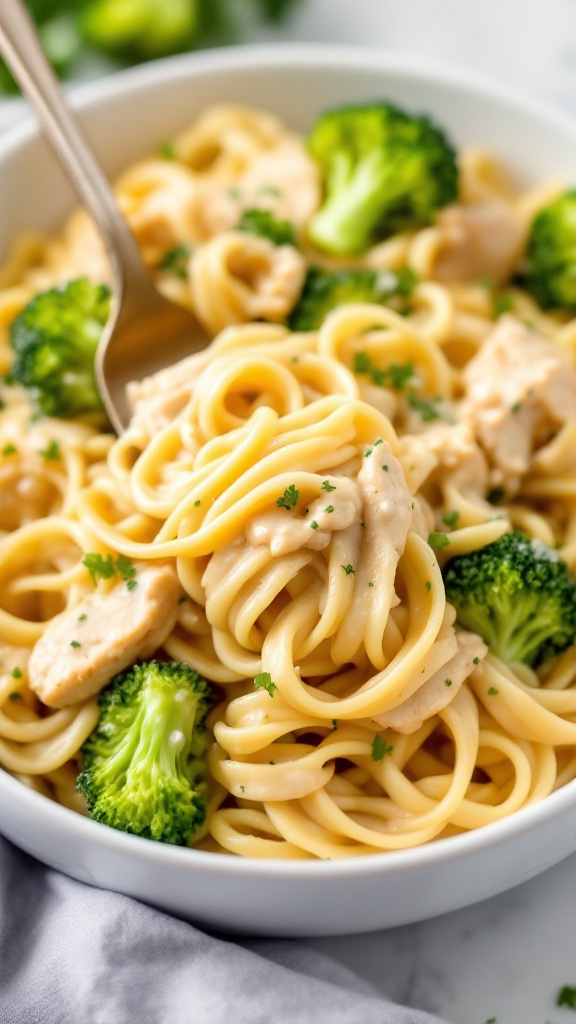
[(143, 765), (385, 171), (518, 595), (54, 339), (141, 29), (549, 270), (324, 290), (265, 224)]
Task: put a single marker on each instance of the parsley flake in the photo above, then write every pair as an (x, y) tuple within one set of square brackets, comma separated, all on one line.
[(380, 748), (567, 997), (9, 449), (83, 617), (493, 691), (99, 568), (428, 408), (329, 508), (125, 567), (327, 486), (385, 468), (395, 376), (182, 600), (289, 499), (437, 541), (51, 452), (371, 584), (166, 150), (447, 682), (451, 518), (14, 696), (263, 681), (335, 723), (313, 525), (367, 453), (475, 661), (502, 303), (130, 584), (348, 569), (16, 673), (74, 643), (197, 503), (428, 586), (175, 261)]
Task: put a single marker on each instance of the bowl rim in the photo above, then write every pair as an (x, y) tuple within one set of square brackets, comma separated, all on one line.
[(263, 57)]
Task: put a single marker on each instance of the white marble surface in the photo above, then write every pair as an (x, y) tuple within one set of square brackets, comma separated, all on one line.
[(508, 957)]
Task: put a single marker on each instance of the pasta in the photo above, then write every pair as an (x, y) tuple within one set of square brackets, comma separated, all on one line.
[(295, 492)]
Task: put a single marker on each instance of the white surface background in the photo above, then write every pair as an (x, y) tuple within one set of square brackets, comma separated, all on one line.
[(508, 957)]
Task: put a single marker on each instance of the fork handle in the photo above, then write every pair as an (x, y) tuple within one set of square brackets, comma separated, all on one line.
[(21, 49)]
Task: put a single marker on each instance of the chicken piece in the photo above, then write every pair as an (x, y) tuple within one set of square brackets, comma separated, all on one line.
[(439, 690), (284, 180), (459, 458), (484, 239), (519, 388), (84, 647)]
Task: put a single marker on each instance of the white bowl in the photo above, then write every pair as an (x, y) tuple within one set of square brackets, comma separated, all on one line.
[(126, 115)]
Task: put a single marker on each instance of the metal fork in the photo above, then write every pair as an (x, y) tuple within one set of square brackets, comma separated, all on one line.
[(145, 331)]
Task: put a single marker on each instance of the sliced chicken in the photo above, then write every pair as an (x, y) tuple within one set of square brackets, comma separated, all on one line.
[(458, 455), (520, 387), (486, 239), (157, 400), (84, 647)]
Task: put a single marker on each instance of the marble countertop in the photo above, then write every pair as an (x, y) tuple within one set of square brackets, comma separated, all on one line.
[(508, 957)]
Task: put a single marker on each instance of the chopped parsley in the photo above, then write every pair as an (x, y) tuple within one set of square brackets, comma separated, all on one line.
[(313, 525), (270, 190), (74, 643), (437, 541), (83, 617), (476, 661), (567, 997), (166, 150), (335, 723), (51, 452), (289, 499), (428, 408), (263, 681), (380, 748), (395, 376), (175, 261), (9, 449), (385, 468), (329, 508), (16, 673), (14, 696), (428, 586), (327, 486), (125, 567), (349, 569), (493, 691), (450, 519), (99, 568), (197, 503), (182, 600), (447, 682), (371, 584), (502, 303), (368, 452)]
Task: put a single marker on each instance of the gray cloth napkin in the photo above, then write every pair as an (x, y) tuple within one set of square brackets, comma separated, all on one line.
[(71, 954)]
